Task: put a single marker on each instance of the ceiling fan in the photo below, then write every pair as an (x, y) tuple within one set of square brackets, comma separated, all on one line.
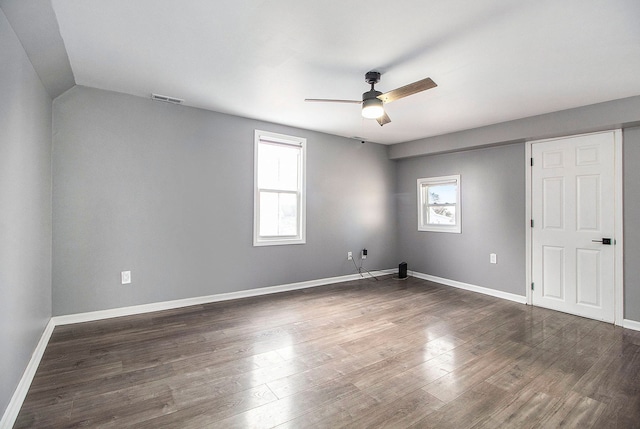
[(372, 100)]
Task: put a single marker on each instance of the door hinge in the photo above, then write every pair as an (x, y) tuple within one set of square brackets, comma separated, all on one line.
[(532, 162), (531, 223), (532, 288)]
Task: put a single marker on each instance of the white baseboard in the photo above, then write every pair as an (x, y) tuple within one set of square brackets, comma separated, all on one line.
[(11, 413), (179, 303), (473, 288), (631, 324)]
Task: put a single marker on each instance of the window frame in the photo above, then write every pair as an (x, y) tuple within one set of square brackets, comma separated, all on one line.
[(434, 181), (267, 137)]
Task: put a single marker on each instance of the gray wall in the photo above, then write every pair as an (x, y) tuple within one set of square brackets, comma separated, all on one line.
[(493, 186), (493, 218), (25, 211), (631, 142), (166, 191)]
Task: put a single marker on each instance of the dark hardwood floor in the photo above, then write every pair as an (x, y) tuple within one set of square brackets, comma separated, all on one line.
[(365, 354)]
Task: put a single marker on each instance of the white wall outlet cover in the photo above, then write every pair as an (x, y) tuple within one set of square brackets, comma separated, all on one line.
[(125, 277), (493, 258), (349, 256)]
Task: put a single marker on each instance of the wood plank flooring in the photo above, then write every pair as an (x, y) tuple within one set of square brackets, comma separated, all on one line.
[(364, 354)]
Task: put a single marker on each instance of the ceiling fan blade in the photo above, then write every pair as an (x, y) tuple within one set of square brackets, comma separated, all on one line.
[(328, 100), (384, 119), (405, 91)]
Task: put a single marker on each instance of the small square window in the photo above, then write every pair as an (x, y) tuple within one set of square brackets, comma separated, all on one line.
[(439, 204)]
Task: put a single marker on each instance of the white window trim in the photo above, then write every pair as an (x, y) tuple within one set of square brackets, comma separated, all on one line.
[(430, 181), (300, 238)]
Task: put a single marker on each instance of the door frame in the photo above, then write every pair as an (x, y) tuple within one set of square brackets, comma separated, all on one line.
[(618, 227)]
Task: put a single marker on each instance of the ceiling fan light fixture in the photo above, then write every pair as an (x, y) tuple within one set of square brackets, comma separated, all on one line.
[(372, 108)]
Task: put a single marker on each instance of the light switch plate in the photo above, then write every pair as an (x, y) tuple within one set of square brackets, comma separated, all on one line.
[(125, 277)]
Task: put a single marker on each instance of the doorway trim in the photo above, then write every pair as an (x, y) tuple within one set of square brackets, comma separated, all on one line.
[(618, 221)]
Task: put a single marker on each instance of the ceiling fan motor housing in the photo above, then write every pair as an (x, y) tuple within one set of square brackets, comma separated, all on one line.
[(370, 94)]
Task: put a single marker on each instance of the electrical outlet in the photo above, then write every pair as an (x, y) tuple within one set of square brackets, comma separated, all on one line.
[(364, 254), (125, 277), (493, 258), (349, 256)]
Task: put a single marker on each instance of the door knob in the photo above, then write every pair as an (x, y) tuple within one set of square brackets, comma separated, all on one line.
[(606, 241)]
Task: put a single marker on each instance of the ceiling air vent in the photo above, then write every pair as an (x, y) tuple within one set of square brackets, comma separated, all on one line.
[(166, 99)]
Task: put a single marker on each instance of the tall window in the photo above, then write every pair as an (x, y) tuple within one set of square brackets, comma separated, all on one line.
[(279, 191), (439, 204)]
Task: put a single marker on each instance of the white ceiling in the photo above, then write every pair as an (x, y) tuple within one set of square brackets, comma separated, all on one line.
[(493, 60)]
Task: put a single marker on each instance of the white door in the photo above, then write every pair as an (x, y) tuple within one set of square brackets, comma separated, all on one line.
[(573, 213)]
